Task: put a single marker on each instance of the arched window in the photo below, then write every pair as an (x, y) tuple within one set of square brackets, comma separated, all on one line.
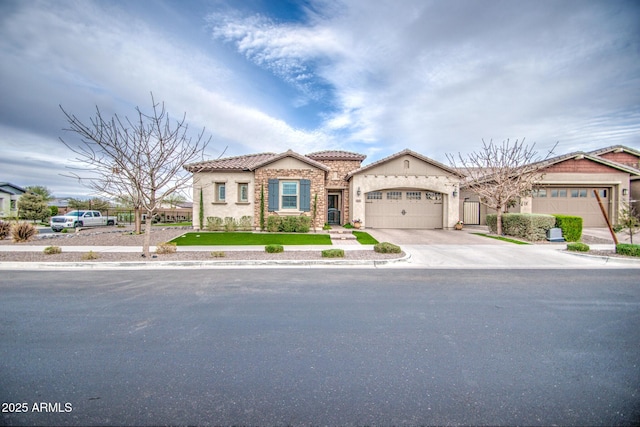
[(406, 164)]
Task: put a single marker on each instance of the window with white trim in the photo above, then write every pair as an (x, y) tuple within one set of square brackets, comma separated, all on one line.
[(374, 195), (289, 194)]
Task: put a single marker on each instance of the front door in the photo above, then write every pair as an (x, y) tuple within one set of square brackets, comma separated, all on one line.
[(333, 214)]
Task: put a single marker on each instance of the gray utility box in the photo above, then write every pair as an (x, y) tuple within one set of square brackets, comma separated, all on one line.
[(555, 235)]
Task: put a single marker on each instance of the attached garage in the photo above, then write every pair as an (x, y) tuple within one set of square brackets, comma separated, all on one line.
[(404, 208), (576, 201)]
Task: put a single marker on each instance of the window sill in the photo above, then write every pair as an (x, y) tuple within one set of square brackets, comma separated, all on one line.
[(218, 203), (289, 213), (243, 203)]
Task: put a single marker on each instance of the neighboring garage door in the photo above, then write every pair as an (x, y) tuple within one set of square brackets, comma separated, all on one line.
[(399, 208), (573, 201)]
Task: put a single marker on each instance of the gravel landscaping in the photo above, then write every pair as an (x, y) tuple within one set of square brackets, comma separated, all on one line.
[(124, 237)]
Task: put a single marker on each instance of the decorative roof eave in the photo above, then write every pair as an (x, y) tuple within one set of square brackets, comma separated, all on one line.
[(229, 164), (403, 153), (579, 155), (13, 189), (615, 148), (290, 153), (336, 155)]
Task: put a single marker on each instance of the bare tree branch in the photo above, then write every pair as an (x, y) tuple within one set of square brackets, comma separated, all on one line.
[(140, 159), (500, 174)]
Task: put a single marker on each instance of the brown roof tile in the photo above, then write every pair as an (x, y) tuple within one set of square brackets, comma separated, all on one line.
[(237, 163), (336, 155)]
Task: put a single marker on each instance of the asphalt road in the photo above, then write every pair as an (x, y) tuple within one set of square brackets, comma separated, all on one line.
[(320, 347)]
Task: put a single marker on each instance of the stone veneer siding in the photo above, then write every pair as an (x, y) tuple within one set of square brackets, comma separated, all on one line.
[(317, 178), (336, 181)]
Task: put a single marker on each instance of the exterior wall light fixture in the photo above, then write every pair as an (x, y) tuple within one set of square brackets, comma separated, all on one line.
[(358, 192)]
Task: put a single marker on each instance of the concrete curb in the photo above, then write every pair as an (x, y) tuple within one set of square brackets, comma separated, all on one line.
[(151, 265), (606, 258)]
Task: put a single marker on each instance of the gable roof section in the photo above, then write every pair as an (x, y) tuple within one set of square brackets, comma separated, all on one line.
[(336, 155), (7, 187), (615, 148), (291, 153), (403, 153), (249, 162), (579, 155)]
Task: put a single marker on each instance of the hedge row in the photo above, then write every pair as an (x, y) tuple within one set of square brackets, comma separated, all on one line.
[(215, 223), (532, 227), (288, 224)]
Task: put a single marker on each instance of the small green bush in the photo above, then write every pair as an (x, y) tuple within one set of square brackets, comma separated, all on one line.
[(90, 255), (230, 224), (5, 229), (628, 249), (333, 253), (218, 254), (215, 223), (571, 227), (492, 222), (348, 226), (52, 250), (577, 247), (245, 223), (273, 224), (387, 248), (166, 248), (23, 231), (65, 230), (274, 249), (289, 224)]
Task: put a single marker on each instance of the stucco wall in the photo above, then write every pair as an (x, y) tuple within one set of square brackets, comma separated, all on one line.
[(231, 207), (439, 183)]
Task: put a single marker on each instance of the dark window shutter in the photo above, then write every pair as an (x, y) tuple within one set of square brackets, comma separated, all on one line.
[(305, 195), (274, 195)]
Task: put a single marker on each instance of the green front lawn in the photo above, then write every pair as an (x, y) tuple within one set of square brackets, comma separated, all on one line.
[(244, 239), (365, 238)]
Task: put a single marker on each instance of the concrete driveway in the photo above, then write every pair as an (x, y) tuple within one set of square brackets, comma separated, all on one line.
[(435, 237)]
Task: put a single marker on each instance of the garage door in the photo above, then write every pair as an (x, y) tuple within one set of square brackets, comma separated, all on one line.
[(399, 208), (573, 201)]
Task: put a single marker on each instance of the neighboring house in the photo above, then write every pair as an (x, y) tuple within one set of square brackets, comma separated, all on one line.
[(567, 187), (405, 190), (9, 199)]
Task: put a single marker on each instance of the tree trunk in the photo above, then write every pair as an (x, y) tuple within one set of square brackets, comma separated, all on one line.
[(499, 221), (147, 235), (138, 221)]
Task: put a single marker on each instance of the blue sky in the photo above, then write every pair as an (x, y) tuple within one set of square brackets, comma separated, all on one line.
[(369, 76)]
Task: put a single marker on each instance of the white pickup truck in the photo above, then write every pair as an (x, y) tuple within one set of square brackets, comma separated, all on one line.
[(75, 219)]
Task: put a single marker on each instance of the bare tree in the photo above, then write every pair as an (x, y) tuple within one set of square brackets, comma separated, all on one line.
[(501, 173), (141, 160)]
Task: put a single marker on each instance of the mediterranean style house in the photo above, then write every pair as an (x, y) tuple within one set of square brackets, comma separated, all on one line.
[(404, 190)]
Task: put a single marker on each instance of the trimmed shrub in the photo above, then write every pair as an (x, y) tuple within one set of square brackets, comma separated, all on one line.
[(492, 223), (215, 223), (532, 227), (628, 249), (90, 255), (571, 227), (23, 231), (387, 248), (245, 223), (274, 249), (577, 247), (52, 250), (166, 248), (230, 224), (5, 229), (218, 254), (333, 253), (288, 224)]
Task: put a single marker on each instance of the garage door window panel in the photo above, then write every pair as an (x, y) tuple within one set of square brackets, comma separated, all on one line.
[(394, 195)]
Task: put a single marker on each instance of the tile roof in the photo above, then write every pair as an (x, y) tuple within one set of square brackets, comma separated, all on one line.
[(336, 155), (236, 163), (402, 153)]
